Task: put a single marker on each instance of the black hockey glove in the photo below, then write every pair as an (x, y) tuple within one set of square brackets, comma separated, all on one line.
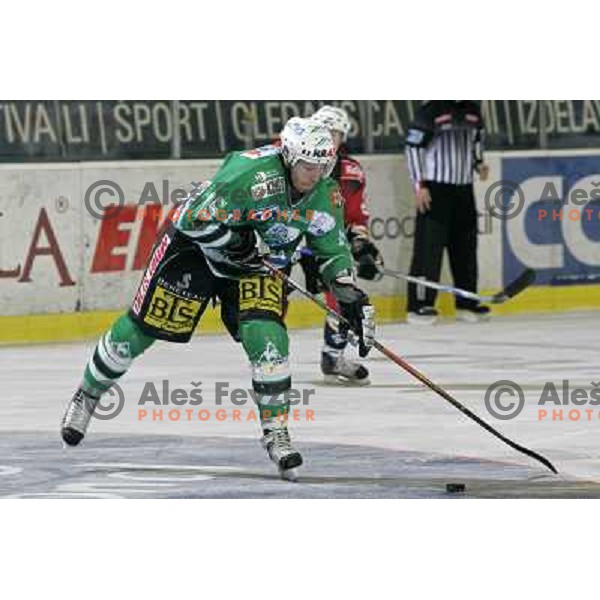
[(310, 266), (369, 261), (356, 309), (244, 251), (231, 253)]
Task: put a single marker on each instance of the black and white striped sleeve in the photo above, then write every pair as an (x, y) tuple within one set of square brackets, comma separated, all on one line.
[(415, 158), (478, 146), (420, 133)]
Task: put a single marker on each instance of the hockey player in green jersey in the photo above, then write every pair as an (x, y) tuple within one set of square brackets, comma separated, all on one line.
[(259, 206)]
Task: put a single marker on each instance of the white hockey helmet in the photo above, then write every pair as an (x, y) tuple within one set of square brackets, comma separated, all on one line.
[(307, 140), (335, 119)]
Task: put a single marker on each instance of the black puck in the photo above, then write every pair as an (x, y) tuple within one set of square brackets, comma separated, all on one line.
[(453, 488)]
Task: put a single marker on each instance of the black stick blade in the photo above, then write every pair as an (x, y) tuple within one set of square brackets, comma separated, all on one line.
[(522, 282)]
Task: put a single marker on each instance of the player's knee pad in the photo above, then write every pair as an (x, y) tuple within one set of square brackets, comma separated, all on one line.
[(271, 375), (271, 381), (111, 357), (266, 344)]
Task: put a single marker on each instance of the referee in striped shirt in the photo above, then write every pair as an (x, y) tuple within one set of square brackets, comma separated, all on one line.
[(444, 146)]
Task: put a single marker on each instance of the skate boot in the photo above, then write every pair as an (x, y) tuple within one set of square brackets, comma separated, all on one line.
[(338, 370), (477, 314), (77, 417), (276, 440), (426, 315)]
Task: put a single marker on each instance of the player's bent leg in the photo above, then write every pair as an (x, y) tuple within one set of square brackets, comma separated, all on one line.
[(335, 367), (171, 298), (266, 344), (115, 352)]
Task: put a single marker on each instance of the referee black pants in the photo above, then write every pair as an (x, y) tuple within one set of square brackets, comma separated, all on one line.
[(450, 223)]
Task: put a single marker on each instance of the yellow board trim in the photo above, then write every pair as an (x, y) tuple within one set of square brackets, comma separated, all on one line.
[(67, 327)]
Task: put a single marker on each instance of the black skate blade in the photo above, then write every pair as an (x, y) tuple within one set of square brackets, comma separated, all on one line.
[(341, 381), (71, 437)]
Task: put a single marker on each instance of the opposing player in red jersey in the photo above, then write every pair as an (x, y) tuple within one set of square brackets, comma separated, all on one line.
[(351, 179)]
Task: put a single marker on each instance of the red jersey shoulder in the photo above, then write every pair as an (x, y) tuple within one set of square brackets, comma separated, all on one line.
[(351, 169)]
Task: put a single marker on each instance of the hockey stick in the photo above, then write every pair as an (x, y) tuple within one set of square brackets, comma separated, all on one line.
[(414, 372), (523, 281)]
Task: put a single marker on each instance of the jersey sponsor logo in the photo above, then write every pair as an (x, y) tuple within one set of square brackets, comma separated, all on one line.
[(171, 312), (157, 256), (280, 235), (321, 223), (262, 176), (261, 152), (262, 294), (269, 188)]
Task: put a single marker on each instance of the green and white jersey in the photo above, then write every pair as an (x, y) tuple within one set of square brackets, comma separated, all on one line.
[(252, 190)]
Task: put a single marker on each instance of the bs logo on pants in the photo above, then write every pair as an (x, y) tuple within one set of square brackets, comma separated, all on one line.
[(171, 312)]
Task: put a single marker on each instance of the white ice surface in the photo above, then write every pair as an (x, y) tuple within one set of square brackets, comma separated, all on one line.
[(394, 412)]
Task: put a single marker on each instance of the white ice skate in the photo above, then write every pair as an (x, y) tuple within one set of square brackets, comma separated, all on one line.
[(338, 370), (426, 315), (478, 314), (77, 417), (276, 440)]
